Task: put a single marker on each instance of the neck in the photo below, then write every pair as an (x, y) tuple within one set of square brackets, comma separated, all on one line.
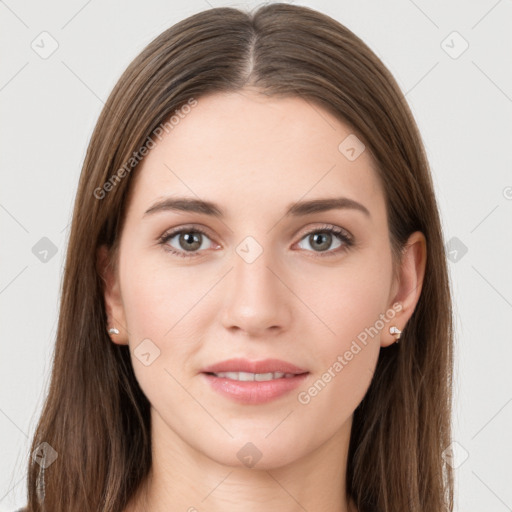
[(184, 479)]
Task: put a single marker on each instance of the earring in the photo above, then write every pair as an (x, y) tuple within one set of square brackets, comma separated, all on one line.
[(396, 332), (113, 330)]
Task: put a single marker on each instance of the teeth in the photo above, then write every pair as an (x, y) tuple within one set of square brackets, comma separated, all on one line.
[(245, 376)]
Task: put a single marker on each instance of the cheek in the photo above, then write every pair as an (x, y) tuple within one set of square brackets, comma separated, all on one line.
[(157, 297), (351, 302), (165, 309), (349, 299), (163, 328), (346, 360)]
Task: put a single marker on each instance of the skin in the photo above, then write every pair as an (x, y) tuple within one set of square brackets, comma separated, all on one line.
[(254, 155)]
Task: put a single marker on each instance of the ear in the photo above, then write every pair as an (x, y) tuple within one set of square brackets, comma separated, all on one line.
[(407, 286), (112, 296)]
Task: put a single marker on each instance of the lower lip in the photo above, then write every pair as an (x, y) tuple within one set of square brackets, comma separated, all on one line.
[(254, 392)]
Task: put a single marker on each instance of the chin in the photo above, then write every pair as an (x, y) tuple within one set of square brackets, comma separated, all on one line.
[(256, 452)]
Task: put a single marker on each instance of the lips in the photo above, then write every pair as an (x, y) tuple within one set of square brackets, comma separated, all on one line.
[(261, 367)]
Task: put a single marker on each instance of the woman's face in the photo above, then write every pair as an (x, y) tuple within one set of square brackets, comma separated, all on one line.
[(255, 276)]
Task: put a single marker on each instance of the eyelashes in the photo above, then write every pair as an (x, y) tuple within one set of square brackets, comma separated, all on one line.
[(332, 232), (170, 235)]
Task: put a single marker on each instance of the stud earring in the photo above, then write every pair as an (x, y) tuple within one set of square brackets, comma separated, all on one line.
[(113, 330), (396, 332)]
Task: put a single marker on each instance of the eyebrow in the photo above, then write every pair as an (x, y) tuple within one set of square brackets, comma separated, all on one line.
[(300, 208)]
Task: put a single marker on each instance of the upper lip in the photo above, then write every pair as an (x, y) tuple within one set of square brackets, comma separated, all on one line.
[(244, 365)]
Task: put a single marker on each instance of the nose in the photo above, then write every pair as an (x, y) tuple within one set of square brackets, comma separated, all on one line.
[(256, 301)]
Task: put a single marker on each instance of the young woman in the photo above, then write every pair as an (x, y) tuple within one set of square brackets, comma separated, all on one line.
[(255, 310)]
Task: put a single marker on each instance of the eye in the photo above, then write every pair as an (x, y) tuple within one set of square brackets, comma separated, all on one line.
[(321, 240), (185, 240)]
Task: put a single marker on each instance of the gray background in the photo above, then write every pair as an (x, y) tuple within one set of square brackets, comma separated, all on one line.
[(461, 101)]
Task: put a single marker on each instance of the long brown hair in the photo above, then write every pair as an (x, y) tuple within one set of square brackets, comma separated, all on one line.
[(96, 417)]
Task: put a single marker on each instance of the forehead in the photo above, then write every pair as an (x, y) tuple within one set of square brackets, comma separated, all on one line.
[(252, 151)]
